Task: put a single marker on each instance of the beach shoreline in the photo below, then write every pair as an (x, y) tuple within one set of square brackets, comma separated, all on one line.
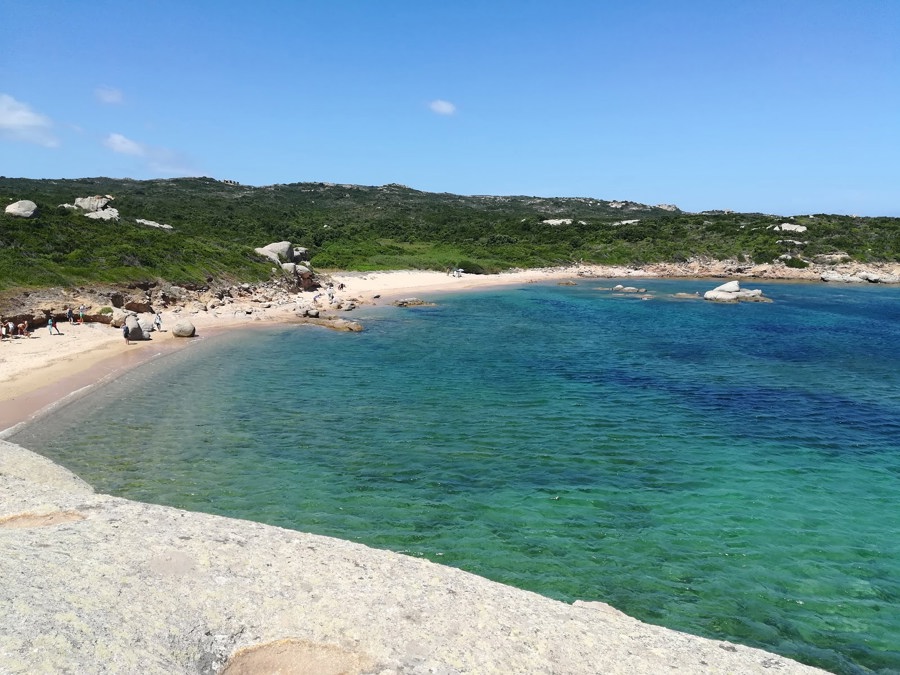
[(39, 372)]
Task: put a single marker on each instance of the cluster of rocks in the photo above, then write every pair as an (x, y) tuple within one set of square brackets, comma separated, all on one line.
[(96, 207), (291, 260), (861, 277), (732, 292)]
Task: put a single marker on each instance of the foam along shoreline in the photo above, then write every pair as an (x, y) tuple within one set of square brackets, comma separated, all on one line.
[(100, 584)]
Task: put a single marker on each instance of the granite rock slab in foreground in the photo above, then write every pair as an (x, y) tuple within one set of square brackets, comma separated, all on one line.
[(96, 584)]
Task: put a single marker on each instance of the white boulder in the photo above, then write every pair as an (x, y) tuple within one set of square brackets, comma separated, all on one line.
[(103, 214), (21, 209), (732, 292), (279, 251), (91, 204)]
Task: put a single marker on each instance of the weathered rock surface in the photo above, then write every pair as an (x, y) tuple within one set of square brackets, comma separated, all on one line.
[(103, 214), (183, 328), (93, 583), (23, 208), (732, 292), (91, 204), (279, 251), (135, 331)]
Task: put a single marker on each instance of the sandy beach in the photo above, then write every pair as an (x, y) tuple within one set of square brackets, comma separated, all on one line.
[(39, 371)]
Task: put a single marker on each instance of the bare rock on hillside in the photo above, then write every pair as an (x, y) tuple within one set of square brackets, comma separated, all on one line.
[(279, 251), (103, 214), (92, 204), (23, 208)]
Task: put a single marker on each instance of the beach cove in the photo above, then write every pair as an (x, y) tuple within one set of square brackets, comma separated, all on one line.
[(563, 665)]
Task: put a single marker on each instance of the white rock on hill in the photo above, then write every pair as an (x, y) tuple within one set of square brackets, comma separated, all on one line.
[(279, 251), (153, 223), (91, 204), (103, 214), (21, 209)]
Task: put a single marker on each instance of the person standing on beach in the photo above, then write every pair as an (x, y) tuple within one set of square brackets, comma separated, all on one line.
[(125, 333), (81, 310), (51, 325), (158, 321), (70, 315)]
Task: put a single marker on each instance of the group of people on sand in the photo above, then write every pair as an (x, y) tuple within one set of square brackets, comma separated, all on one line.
[(9, 330)]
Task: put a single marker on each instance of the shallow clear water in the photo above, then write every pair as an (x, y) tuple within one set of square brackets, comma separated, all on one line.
[(730, 471)]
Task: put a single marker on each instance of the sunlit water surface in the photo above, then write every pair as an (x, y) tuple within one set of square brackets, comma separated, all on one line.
[(730, 471)]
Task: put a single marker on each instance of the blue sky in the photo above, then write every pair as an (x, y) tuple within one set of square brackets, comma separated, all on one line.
[(784, 107)]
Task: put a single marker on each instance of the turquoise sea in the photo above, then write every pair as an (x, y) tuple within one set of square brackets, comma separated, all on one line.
[(731, 471)]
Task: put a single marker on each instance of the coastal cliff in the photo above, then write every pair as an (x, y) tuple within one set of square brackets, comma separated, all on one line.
[(94, 583)]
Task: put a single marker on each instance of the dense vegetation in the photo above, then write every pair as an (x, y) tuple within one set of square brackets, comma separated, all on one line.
[(217, 225)]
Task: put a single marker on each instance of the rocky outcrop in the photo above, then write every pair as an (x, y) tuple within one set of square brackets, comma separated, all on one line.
[(860, 277), (23, 208), (279, 252), (92, 204), (183, 329), (732, 292), (103, 214), (100, 584)]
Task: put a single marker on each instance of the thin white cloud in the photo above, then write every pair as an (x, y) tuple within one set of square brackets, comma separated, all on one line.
[(109, 95), (159, 160), (442, 107), (126, 146), (20, 123)]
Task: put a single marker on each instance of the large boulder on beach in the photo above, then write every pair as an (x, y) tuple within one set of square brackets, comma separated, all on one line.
[(146, 326), (135, 332), (23, 208), (184, 328)]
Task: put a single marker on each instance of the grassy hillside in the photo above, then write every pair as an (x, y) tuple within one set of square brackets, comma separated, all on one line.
[(217, 225)]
